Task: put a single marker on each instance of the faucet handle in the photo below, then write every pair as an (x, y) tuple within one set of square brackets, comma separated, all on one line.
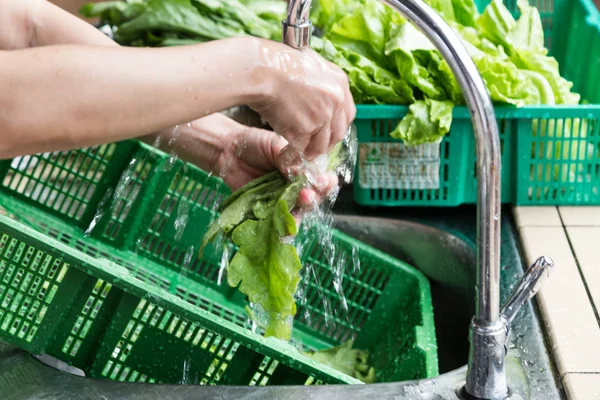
[(530, 284)]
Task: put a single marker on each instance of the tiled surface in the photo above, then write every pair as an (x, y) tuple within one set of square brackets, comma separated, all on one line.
[(570, 298), (568, 314), (537, 216), (586, 246), (582, 386), (580, 216)]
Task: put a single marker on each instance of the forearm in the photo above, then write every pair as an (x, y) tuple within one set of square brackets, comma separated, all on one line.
[(52, 25), (56, 98), (31, 23)]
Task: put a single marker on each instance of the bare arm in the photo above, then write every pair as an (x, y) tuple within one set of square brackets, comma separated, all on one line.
[(32, 23), (58, 97), (63, 97)]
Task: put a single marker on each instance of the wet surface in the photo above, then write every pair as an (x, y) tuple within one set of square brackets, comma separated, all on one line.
[(439, 242)]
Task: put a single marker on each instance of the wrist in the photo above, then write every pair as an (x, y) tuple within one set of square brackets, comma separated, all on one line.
[(256, 69)]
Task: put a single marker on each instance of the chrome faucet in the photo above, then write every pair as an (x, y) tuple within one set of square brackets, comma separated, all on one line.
[(490, 327)]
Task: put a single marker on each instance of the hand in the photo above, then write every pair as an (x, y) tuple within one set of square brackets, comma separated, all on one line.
[(307, 99), (250, 153), (237, 153)]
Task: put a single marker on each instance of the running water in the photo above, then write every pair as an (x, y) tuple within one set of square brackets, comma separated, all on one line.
[(224, 263), (116, 197), (182, 218), (317, 227), (99, 212), (175, 133)]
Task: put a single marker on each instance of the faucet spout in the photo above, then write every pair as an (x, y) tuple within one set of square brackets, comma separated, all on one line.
[(489, 332), (297, 28)]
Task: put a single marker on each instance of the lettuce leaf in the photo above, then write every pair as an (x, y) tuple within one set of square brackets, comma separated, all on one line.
[(344, 358), (266, 269), (365, 30), (369, 82), (404, 40), (427, 121)]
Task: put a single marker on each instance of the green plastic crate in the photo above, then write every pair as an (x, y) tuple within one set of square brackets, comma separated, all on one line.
[(445, 175), (132, 302)]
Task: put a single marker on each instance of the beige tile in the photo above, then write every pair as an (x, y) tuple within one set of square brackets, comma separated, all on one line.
[(536, 216), (580, 216), (586, 243), (567, 312), (582, 386)]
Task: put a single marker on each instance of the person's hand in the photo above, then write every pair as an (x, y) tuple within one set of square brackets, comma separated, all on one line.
[(306, 99), (237, 153), (250, 153)]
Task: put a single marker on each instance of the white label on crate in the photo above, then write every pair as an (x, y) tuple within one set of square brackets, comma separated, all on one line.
[(397, 166)]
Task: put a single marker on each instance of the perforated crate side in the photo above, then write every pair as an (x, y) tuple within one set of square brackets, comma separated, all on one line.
[(187, 352), (559, 158), (37, 289), (67, 184), (374, 123)]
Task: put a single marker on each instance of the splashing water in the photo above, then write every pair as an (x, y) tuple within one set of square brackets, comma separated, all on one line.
[(186, 371), (183, 216), (117, 197), (99, 212), (318, 226), (223, 264), (175, 133)]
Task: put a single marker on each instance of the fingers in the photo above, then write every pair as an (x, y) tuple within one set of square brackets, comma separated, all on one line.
[(319, 143), (309, 103), (310, 198)]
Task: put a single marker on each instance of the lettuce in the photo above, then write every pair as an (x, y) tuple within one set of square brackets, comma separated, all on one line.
[(389, 61), (369, 82), (427, 121), (344, 358)]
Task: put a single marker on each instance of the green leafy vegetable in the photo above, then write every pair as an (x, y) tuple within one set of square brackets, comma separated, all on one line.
[(114, 12), (173, 22), (509, 54), (427, 120), (344, 358), (266, 268), (257, 218)]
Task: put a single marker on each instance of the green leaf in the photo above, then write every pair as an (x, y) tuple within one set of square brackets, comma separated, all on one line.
[(113, 12), (506, 83), (528, 32), (369, 82), (274, 11), (404, 41), (496, 23), (267, 270), (325, 13), (548, 68), (344, 358), (227, 11), (427, 121), (365, 30), (465, 12), (256, 198)]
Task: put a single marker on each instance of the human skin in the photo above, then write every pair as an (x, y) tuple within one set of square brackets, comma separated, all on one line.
[(66, 85)]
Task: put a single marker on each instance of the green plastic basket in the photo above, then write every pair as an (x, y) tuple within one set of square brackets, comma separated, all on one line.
[(539, 167), (132, 302)]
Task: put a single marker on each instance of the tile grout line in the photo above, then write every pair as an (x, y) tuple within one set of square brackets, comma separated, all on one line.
[(585, 284)]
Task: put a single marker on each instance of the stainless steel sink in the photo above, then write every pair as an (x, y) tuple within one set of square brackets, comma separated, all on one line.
[(439, 242)]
